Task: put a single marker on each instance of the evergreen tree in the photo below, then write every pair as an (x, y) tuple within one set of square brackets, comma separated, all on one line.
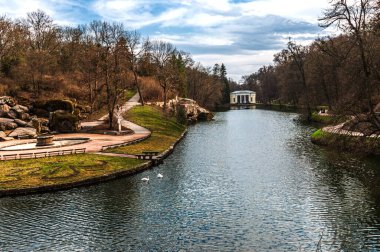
[(225, 84)]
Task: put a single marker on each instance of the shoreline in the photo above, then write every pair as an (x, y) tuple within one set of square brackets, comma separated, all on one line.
[(346, 142), (95, 180)]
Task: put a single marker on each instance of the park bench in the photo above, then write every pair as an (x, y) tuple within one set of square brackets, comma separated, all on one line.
[(144, 156), (153, 153), (147, 155), (10, 157)]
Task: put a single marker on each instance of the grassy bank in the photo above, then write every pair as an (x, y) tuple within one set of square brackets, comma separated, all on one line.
[(327, 119), (165, 130), (357, 144), (30, 173)]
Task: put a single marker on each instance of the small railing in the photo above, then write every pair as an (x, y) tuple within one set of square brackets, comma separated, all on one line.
[(112, 146), (42, 154)]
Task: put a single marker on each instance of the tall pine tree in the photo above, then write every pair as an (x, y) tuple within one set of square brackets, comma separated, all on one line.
[(225, 84)]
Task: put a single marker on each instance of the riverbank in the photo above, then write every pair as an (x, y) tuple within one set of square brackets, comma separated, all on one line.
[(347, 142), (20, 177)]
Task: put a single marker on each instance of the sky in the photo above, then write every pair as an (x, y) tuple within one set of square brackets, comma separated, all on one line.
[(242, 34)]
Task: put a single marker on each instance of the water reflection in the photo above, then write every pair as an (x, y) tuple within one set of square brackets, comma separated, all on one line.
[(250, 180)]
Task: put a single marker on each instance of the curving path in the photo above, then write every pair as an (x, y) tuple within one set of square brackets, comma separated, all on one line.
[(97, 140)]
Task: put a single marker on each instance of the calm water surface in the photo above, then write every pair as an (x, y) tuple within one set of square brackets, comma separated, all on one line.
[(248, 181)]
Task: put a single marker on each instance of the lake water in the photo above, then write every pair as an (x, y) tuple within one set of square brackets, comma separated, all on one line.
[(248, 181)]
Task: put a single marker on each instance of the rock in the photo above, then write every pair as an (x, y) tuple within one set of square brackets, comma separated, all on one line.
[(4, 137), (4, 108), (7, 124), (22, 132), (193, 111), (204, 114), (11, 114), (36, 125), (24, 117), (20, 109), (8, 101), (64, 122), (43, 121), (21, 123)]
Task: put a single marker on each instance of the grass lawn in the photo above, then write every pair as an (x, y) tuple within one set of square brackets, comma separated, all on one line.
[(165, 130), (30, 173)]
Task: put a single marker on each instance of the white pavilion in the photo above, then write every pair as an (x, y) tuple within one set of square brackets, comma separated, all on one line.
[(243, 97)]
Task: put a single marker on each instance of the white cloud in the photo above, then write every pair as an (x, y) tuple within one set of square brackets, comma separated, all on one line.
[(238, 65), (296, 9), (243, 35)]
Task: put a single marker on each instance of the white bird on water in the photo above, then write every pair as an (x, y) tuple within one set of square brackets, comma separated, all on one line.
[(160, 175), (145, 179)]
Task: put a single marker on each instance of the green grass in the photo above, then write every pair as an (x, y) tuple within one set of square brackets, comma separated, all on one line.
[(165, 130), (354, 144), (128, 94), (317, 135), (29, 173), (324, 119)]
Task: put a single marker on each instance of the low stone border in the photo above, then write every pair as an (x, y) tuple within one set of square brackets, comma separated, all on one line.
[(95, 180)]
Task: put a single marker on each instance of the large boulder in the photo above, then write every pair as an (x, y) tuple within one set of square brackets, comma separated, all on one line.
[(4, 108), (23, 133), (20, 109), (21, 123), (64, 122), (193, 111), (4, 137), (7, 124), (11, 114), (24, 117)]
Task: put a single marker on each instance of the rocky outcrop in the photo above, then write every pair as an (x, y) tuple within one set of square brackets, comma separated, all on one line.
[(4, 109), (192, 110), (64, 122), (23, 133), (7, 124), (4, 137)]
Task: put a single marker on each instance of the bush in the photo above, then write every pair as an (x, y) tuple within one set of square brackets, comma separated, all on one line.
[(64, 122), (181, 115)]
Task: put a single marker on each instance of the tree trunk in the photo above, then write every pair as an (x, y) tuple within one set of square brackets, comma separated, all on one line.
[(138, 88)]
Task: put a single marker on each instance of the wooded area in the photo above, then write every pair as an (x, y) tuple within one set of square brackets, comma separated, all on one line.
[(341, 72), (94, 63)]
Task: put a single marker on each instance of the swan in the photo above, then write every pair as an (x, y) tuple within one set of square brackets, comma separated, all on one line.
[(145, 179), (160, 175)]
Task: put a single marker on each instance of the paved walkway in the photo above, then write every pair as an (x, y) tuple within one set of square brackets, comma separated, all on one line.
[(97, 140), (338, 129)]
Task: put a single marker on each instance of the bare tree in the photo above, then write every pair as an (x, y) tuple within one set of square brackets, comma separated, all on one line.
[(354, 17), (43, 42), (136, 49), (162, 56)]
